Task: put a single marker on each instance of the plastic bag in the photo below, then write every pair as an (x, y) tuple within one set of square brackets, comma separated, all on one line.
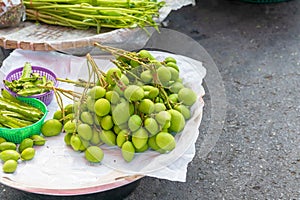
[(12, 13)]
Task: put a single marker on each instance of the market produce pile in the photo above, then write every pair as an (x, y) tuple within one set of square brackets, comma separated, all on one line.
[(16, 114), (84, 14), (29, 83), (11, 153), (138, 105)]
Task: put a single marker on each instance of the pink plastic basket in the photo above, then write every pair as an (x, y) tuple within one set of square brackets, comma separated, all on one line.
[(50, 75)]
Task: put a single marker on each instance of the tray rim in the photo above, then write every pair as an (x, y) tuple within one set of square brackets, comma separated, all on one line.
[(121, 181)]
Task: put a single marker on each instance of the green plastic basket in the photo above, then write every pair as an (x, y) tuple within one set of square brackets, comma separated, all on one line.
[(264, 1), (16, 135)]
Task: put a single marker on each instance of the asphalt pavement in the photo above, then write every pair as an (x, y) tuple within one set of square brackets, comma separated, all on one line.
[(257, 156)]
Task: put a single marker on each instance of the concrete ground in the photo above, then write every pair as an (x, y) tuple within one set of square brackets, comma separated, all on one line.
[(256, 49)]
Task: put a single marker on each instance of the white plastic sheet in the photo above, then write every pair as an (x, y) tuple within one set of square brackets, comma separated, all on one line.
[(65, 169)]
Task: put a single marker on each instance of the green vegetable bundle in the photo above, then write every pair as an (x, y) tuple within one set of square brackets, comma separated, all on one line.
[(83, 14), (29, 83), (15, 113)]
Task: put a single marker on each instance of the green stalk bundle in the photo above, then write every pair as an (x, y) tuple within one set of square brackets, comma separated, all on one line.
[(83, 14)]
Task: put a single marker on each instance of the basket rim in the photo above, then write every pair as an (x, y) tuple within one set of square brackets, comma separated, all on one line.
[(34, 67), (34, 124)]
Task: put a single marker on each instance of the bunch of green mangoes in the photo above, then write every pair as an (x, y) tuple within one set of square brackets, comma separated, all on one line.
[(142, 105), (11, 153)]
